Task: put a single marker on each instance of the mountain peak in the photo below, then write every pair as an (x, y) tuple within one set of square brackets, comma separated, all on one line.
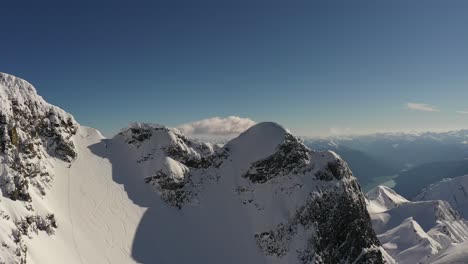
[(16, 88), (383, 198), (264, 138)]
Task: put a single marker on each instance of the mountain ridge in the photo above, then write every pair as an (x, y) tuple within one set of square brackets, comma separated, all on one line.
[(120, 200)]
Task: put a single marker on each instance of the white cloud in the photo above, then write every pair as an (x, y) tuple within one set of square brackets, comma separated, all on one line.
[(217, 126), (462, 112), (421, 107), (340, 131)]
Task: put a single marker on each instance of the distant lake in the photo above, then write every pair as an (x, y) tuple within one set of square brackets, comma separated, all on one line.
[(388, 181)]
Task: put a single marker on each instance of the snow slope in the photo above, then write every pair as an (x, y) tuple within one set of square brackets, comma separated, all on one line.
[(454, 191), (408, 243), (414, 232), (247, 191), (454, 254), (151, 195), (96, 220), (383, 198)]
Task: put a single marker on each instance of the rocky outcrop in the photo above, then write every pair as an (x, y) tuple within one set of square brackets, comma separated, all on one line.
[(329, 225), (30, 131), (335, 214), (295, 204)]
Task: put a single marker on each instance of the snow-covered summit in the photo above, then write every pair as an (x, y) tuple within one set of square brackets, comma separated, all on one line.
[(264, 138), (383, 198), (409, 243), (15, 91), (122, 199), (283, 197)]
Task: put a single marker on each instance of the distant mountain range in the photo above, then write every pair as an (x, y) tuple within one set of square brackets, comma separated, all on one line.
[(418, 158)]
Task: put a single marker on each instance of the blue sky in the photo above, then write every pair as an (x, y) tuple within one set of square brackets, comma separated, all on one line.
[(317, 67)]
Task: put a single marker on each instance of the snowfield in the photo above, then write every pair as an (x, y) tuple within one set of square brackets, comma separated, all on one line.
[(97, 220)]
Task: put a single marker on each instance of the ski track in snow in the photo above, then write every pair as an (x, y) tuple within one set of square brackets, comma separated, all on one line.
[(71, 217)]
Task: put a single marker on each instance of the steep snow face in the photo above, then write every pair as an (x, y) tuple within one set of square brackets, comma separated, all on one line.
[(454, 191), (455, 254), (435, 227), (408, 243), (32, 134), (383, 198), (276, 200)]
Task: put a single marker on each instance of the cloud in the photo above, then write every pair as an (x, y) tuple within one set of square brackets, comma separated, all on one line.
[(421, 107), (462, 112), (340, 131), (217, 126)]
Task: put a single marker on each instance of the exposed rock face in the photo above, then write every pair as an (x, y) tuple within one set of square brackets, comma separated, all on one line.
[(285, 202), (291, 157), (328, 223), (335, 215), (31, 133), (187, 161), (336, 239)]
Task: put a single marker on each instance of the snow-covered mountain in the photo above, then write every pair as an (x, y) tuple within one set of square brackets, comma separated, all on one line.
[(415, 232), (383, 198), (33, 135), (411, 160), (454, 191), (403, 149), (152, 195)]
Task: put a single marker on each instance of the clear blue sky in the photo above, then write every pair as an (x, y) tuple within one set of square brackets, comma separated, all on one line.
[(314, 66)]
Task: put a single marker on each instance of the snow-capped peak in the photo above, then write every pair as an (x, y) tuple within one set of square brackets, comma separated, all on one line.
[(409, 243), (258, 142), (15, 91), (383, 198), (121, 200), (414, 232)]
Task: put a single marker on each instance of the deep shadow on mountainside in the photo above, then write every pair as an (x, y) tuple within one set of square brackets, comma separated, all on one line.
[(263, 197), (213, 231)]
